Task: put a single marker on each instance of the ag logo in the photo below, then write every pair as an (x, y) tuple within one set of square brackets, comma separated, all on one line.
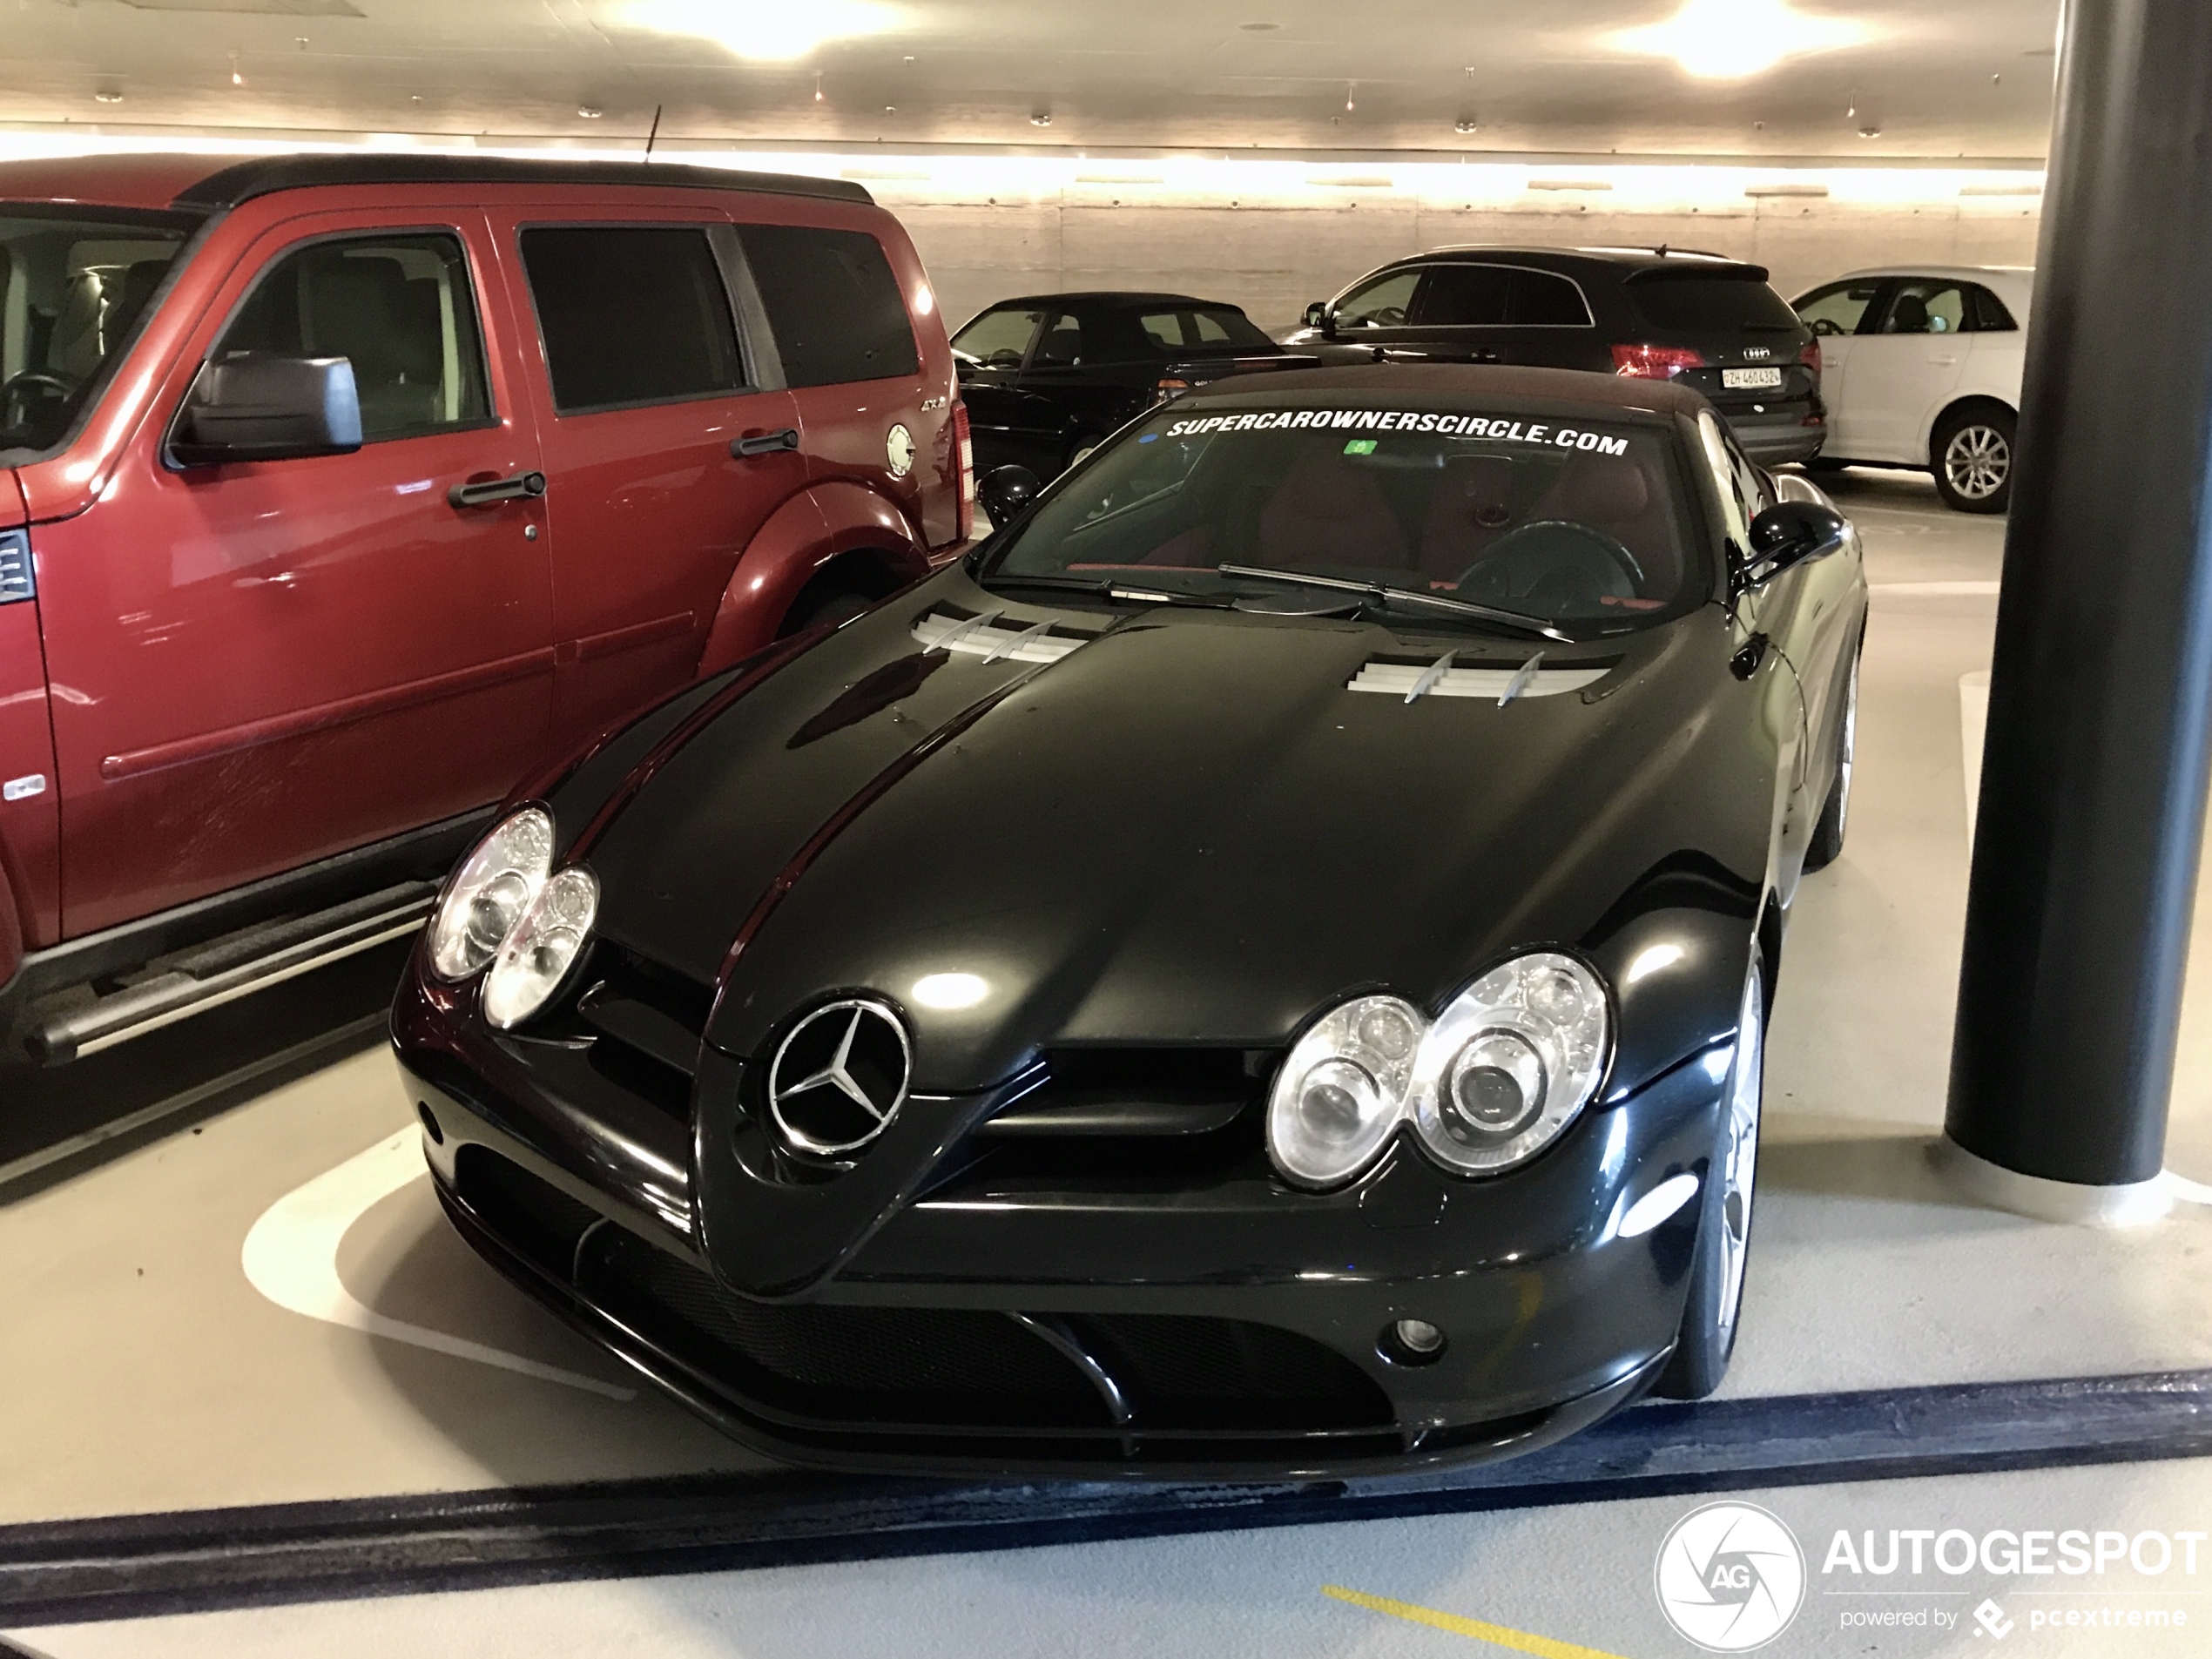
[(1730, 1577)]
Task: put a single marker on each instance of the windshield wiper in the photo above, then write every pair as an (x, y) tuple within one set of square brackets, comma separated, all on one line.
[(1383, 596), (1102, 588)]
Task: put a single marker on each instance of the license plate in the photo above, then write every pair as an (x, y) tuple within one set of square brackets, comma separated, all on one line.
[(1751, 379)]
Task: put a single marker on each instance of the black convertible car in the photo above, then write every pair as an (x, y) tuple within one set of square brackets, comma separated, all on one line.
[(1259, 969)]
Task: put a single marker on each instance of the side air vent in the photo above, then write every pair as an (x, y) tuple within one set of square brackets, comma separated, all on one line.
[(1404, 680), (17, 581), (995, 637)]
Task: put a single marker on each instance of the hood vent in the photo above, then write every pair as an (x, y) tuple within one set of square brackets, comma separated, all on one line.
[(1404, 681), (996, 637)]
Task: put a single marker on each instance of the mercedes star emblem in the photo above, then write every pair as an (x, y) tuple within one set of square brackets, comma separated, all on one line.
[(839, 1077)]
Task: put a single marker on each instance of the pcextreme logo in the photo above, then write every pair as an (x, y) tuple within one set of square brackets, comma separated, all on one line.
[(1730, 1577)]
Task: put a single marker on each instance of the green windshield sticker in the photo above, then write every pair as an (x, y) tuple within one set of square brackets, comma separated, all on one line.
[(1361, 447)]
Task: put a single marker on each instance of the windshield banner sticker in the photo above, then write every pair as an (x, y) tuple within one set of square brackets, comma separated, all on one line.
[(1458, 426)]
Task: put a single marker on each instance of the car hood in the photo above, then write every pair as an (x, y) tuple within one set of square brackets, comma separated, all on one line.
[(1184, 829)]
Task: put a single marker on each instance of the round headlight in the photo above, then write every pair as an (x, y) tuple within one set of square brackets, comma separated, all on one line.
[(1510, 1062), (489, 892), (1342, 1090), (544, 945)]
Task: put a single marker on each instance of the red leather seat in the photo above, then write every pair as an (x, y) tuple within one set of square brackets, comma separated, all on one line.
[(1470, 507), (1329, 512)]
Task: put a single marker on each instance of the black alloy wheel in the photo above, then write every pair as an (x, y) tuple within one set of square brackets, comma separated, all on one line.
[(1827, 844), (1713, 1310)]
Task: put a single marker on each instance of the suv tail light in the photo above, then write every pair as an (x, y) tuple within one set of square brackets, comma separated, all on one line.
[(1810, 355), (1654, 362), (964, 448)]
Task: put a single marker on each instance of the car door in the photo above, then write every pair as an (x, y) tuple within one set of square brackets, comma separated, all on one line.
[(1836, 314), (1459, 312), (987, 355), (1072, 395), (1377, 312), (645, 391), (277, 661), (1904, 367)]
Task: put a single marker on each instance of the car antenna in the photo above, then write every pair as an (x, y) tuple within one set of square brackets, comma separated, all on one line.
[(654, 133), (1660, 250)]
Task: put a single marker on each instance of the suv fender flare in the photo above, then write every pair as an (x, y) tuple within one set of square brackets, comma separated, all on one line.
[(819, 526), (1950, 406)]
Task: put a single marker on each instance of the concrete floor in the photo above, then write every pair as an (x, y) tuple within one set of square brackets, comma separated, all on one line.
[(170, 1382)]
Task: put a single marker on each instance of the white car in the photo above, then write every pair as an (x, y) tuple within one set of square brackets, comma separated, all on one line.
[(1920, 367)]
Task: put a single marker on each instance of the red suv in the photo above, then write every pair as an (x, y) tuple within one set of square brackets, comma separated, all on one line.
[(341, 491)]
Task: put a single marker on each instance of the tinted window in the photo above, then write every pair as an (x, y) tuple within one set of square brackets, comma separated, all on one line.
[(398, 308), (1838, 308), (1063, 344), (1224, 325), (1459, 295), (630, 314), (1566, 518), (997, 339), (1989, 314), (1384, 303), (1688, 304), (1925, 305), (1218, 328), (71, 290), (1544, 301), (833, 302)]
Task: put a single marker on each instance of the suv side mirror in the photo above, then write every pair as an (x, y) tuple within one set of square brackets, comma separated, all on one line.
[(1316, 316), (266, 406), (1787, 534), (1005, 491)]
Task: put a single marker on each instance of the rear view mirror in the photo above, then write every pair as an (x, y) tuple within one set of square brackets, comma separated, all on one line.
[(1005, 491), (264, 406), (1788, 534)]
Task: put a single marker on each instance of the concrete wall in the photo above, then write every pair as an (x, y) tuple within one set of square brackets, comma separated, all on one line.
[(1271, 258)]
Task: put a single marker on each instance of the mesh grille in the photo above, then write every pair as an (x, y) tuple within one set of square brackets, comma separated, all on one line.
[(873, 1364)]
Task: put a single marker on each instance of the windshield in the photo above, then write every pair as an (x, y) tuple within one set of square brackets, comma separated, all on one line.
[(1574, 522), (70, 289)]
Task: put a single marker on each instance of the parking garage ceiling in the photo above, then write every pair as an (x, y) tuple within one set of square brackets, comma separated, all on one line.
[(1764, 80)]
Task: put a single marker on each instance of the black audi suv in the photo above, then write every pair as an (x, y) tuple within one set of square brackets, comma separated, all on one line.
[(1710, 322)]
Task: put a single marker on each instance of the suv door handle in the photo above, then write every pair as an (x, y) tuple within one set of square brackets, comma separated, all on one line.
[(523, 486), (764, 443)]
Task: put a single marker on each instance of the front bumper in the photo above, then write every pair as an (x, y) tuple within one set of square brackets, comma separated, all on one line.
[(1035, 1327)]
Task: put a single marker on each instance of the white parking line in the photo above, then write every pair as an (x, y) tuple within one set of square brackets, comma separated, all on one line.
[(291, 1257)]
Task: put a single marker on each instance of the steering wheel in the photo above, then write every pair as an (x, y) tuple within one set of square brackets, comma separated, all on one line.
[(14, 407), (1388, 317), (1556, 562), (1826, 326)]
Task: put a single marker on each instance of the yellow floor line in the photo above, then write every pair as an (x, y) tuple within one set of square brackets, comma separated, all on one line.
[(1518, 1641)]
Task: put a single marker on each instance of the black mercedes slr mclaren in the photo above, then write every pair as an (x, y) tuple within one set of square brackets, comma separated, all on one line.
[(1259, 969)]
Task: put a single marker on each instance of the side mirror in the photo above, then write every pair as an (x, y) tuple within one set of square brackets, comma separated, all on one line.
[(1316, 316), (1788, 534), (264, 406), (1005, 492)]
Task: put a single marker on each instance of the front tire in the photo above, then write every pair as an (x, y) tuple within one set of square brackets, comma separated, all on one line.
[(1712, 1312), (1972, 454), (1827, 844)]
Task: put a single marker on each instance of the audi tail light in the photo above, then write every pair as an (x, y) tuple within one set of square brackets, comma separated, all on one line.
[(1654, 362), (1810, 355), (964, 448), (1169, 385)]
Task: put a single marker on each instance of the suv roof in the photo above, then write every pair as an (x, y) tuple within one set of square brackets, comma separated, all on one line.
[(1629, 260), (1129, 297), (214, 183)]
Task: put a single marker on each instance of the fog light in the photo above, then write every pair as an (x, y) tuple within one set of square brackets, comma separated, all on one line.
[(1411, 1342)]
